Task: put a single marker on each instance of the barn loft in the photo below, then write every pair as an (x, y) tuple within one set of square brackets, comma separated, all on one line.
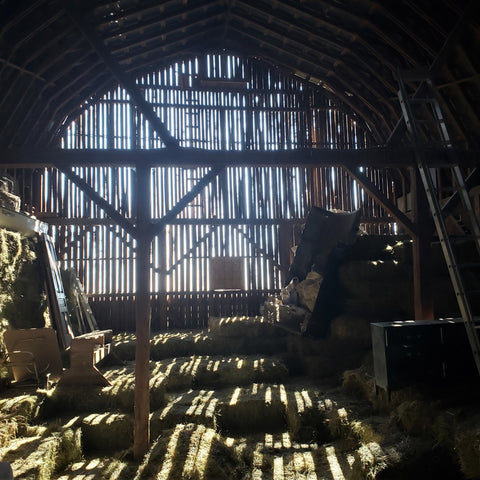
[(175, 150)]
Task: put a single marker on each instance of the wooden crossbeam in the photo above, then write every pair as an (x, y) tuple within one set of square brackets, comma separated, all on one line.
[(99, 201), (187, 254), (193, 158), (472, 180), (380, 197), (185, 200), (260, 250)]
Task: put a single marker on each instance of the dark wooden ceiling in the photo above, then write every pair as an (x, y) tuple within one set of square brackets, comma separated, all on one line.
[(56, 54)]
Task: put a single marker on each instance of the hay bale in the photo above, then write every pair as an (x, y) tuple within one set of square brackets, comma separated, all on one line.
[(416, 417), (194, 406), (24, 406), (212, 344), (212, 371), (352, 329), (123, 346), (306, 416), (359, 383), (467, 447), (118, 396), (70, 448), (192, 452), (259, 408), (369, 461), (172, 345), (320, 366), (242, 326), (107, 432), (41, 456)]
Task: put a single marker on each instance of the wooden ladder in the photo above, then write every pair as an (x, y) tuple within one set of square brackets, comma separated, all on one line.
[(426, 125)]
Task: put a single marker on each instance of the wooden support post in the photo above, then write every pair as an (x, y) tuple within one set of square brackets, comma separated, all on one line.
[(141, 436), (423, 294), (285, 238), (163, 279)]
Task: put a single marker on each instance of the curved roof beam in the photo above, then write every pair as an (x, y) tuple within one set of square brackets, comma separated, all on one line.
[(335, 62), (144, 41), (321, 72), (110, 36), (343, 49)]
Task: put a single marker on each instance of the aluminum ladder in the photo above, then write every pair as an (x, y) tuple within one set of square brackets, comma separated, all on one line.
[(426, 125)]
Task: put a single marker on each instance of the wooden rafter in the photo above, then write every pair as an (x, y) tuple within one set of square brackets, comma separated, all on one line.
[(123, 78)]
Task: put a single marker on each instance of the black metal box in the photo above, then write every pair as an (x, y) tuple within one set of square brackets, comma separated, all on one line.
[(409, 352)]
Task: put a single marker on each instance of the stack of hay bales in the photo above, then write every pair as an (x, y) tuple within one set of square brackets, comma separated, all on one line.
[(375, 283)]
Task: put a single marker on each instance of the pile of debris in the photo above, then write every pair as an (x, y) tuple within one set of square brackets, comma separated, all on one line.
[(325, 235)]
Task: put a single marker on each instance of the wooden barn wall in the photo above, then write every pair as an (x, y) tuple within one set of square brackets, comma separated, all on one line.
[(251, 215)]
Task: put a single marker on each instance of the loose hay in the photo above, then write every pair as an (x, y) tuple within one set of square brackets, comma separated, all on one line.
[(359, 383), (416, 417), (467, 446)]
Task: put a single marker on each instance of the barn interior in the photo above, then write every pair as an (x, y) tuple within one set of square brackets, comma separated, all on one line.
[(239, 239)]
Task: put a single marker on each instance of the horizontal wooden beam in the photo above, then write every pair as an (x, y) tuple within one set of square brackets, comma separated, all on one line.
[(91, 222), (192, 158)]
